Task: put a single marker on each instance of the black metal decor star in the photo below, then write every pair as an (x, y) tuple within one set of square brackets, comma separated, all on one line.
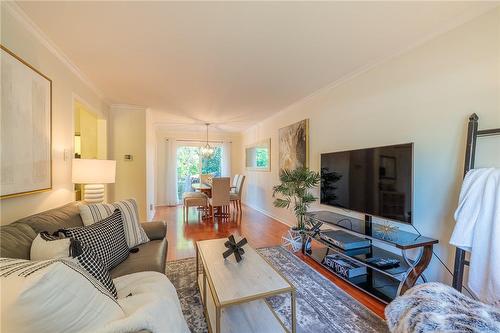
[(235, 248), (315, 229), (312, 233)]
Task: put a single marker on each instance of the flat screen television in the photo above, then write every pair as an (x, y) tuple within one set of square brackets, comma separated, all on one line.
[(374, 181)]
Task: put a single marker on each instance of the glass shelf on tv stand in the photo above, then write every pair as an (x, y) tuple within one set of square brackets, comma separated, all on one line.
[(371, 252), (381, 286), (366, 228), (384, 284)]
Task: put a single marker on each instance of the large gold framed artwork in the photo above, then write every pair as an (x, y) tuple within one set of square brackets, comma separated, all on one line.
[(25, 118)]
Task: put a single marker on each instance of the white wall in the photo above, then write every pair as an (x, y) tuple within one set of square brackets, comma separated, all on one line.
[(128, 137), (18, 36), (161, 159), (423, 96)]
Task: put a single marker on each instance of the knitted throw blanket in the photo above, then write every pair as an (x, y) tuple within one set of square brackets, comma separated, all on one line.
[(435, 307)]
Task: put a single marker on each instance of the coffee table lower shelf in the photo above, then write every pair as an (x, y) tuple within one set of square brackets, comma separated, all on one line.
[(253, 316)]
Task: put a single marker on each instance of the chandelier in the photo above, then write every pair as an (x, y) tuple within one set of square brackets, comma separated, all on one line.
[(207, 151)]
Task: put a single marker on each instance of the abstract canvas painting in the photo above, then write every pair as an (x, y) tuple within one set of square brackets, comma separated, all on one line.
[(294, 145), (25, 119)]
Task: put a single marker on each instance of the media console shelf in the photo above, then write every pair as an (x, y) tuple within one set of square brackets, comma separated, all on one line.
[(383, 284)]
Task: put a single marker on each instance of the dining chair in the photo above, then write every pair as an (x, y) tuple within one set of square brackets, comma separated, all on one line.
[(234, 183), (220, 197), (206, 178), (194, 199), (235, 197)]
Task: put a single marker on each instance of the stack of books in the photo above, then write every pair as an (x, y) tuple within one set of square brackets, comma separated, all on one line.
[(343, 267)]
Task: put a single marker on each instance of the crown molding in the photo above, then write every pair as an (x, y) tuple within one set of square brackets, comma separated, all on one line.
[(29, 25)]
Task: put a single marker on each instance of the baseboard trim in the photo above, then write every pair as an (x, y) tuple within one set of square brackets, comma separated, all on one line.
[(267, 214)]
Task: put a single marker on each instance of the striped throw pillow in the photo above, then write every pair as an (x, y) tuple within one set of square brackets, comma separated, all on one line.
[(134, 233)]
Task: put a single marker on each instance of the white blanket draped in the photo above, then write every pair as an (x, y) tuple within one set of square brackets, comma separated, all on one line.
[(153, 305), (478, 231)]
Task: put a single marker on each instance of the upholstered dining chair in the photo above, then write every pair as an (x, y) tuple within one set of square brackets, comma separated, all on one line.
[(206, 178), (235, 195), (220, 197), (194, 199), (234, 183)]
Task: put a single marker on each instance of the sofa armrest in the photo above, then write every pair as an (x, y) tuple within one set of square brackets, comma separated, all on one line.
[(155, 230)]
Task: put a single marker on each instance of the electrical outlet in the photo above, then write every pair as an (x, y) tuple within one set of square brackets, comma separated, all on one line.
[(128, 157)]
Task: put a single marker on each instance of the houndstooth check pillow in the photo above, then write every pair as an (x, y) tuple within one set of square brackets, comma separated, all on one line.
[(134, 232), (92, 264), (106, 238)]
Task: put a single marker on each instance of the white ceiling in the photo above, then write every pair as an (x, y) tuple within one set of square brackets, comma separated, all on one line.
[(233, 63)]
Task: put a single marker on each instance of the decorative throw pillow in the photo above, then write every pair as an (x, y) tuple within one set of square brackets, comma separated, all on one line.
[(53, 296), (106, 238), (46, 247), (92, 264), (134, 232)]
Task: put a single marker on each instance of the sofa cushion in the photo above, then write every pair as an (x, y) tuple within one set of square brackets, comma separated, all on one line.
[(67, 216), (156, 230), (15, 240), (150, 257)]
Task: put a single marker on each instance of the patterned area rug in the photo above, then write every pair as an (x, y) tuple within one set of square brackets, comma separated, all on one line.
[(321, 305)]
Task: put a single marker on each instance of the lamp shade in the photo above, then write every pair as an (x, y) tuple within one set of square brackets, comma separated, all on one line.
[(93, 171)]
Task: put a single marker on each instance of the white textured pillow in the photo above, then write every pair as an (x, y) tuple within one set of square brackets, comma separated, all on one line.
[(53, 296), (46, 247), (134, 233)]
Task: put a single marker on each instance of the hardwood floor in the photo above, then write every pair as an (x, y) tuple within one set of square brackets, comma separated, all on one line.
[(260, 231)]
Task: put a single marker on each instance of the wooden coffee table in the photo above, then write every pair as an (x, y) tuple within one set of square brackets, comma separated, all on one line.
[(233, 294)]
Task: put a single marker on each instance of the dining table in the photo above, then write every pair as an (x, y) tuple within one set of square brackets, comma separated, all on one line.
[(206, 188), (203, 188)]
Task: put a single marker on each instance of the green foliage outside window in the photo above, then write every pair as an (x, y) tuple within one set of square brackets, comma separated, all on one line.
[(262, 158), (212, 165), (188, 164)]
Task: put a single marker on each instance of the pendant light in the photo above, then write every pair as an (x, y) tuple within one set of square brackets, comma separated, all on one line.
[(207, 151)]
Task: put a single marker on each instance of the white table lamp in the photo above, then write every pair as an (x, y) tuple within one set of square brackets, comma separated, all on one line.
[(93, 174)]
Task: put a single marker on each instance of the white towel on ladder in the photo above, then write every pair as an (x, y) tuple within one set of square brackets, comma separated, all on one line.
[(478, 231)]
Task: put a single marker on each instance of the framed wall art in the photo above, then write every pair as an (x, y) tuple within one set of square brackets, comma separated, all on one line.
[(26, 116), (258, 156), (294, 145)]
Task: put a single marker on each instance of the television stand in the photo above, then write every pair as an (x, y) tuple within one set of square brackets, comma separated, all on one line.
[(382, 283)]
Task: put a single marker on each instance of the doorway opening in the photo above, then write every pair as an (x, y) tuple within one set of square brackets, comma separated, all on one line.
[(90, 135)]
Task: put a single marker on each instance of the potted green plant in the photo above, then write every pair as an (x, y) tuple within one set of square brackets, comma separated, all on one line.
[(294, 189)]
